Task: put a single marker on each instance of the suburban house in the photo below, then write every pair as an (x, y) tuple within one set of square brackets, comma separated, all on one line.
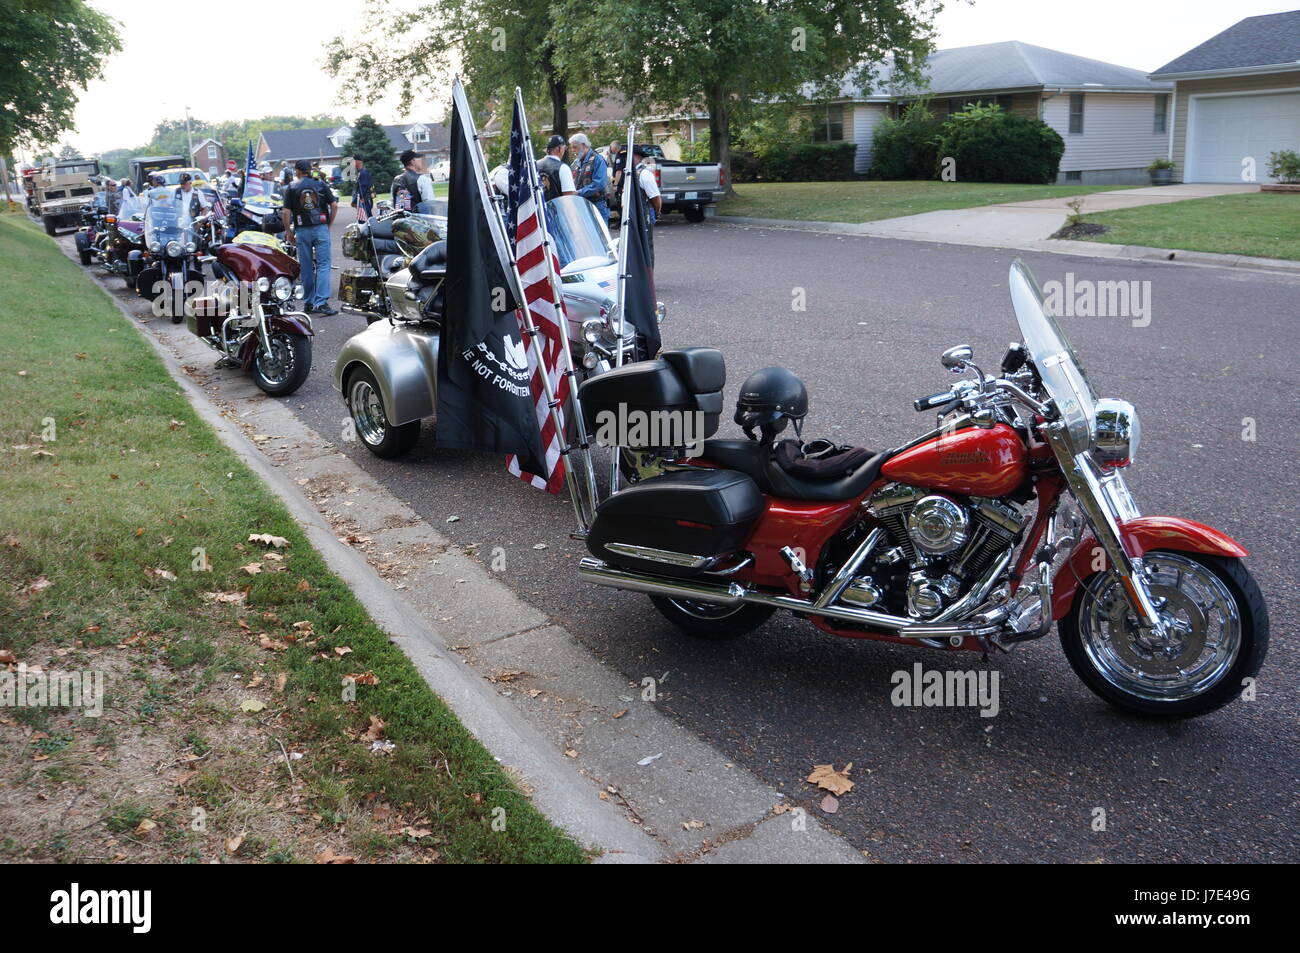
[(210, 156), (1236, 99), (1114, 120), (325, 145)]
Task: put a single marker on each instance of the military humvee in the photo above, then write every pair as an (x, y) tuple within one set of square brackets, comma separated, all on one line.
[(61, 190)]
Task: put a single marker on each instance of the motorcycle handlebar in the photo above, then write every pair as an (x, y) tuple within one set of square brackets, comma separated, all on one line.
[(933, 401)]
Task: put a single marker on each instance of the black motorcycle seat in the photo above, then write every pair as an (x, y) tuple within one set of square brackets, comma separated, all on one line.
[(759, 462), (431, 263), (381, 228)]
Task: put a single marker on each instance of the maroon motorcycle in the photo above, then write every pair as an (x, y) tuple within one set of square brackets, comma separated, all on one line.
[(249, 320)]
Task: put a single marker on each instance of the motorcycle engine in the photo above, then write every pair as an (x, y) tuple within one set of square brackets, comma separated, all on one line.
[(938, 545)]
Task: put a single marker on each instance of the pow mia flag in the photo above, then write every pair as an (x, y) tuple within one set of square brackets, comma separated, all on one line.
[(485, 398)]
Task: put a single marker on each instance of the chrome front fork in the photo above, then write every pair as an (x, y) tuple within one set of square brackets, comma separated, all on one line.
[(1105, 500)]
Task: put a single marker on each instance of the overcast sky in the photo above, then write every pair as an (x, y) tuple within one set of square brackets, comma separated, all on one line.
[(163, 69)]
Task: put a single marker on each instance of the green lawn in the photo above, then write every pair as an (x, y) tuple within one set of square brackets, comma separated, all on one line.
[(860, 201), (1264, 224), (126, 549)]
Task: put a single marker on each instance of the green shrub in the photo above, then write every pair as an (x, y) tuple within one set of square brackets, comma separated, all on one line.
[(1284, 165), (905, 148), (988, 144)]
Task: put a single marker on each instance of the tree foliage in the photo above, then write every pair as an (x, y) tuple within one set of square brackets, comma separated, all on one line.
[(727, 57), (496, 45), (50, 50), (371, 143)]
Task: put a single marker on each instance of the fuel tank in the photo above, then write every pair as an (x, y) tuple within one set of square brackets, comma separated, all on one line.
[(975, 461)]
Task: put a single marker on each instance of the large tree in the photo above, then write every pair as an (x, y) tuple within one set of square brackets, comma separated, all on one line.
[(50, 50), (496, 45), (369, 141), (727, 57)]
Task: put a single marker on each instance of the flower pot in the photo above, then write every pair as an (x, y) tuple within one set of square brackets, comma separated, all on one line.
[(1162, 176)]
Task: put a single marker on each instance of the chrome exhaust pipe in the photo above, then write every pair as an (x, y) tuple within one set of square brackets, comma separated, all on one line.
[(734, 594)]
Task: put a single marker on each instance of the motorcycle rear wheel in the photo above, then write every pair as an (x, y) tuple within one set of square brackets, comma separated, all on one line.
[(283, 372), (1219, 627), (710, 620), (376, 434)]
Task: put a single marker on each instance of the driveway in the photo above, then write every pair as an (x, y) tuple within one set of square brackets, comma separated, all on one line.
[(1017, 222)]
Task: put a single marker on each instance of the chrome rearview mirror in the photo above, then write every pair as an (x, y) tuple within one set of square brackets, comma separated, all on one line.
[(956, 359)]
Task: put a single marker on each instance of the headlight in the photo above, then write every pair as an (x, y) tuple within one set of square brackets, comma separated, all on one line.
[(297, 291), (592, 330), (1116, 433), (191, 248), (173, 249), (263, 284), (155, 247), (283, 288)]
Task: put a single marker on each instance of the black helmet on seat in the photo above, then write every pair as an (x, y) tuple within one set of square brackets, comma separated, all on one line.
[(769, 399)]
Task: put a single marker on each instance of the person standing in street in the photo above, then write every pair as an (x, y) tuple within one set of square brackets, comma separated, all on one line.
[(590, 173), (412, 188), (555, 176), (362, 197), (308, 213)]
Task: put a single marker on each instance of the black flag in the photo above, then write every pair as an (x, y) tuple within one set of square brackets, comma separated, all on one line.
[(485, 397), (639, 290)]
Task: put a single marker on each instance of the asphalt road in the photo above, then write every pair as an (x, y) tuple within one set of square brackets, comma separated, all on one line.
[(939, 784)]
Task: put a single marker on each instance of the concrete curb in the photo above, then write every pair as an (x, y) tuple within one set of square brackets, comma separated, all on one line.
[(1175, 256), (604, 801)]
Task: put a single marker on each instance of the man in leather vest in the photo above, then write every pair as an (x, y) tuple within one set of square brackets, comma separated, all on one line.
[(412, 188), (557, 178), (590, 173)]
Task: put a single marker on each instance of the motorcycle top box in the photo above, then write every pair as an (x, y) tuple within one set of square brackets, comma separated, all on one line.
[(681, 523), (684, 381)]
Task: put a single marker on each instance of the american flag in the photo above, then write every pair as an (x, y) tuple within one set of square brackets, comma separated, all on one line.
[(254, 184), (536, 267)]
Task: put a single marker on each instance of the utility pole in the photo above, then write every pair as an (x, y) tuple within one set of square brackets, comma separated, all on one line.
[(189, 137)]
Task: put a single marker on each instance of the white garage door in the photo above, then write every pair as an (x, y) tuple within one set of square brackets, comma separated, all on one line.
[(1225, 129)]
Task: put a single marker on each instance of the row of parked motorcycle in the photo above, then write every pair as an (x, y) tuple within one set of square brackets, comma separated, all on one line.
[(223, 272)]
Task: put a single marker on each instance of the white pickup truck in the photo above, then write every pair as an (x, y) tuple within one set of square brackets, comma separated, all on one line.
[(686, 187)]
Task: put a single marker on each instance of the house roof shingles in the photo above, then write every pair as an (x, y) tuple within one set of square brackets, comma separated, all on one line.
[(1270, 40), (312, 143)]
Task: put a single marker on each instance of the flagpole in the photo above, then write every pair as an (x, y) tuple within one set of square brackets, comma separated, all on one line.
[(587, 511), (621, 302), (497, 226)]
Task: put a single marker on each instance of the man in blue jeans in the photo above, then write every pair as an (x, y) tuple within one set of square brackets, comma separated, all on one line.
[(308, 213)]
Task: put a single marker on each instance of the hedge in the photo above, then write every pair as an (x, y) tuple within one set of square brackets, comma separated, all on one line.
[(799, 162)]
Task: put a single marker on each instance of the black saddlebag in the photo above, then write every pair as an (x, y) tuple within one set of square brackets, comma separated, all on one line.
[(679, 524), (684, 381)]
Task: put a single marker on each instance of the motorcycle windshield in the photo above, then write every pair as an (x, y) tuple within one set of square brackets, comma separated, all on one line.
[(166, 219), (577, 230), (1058, 366), (414, 233), (130, 206)]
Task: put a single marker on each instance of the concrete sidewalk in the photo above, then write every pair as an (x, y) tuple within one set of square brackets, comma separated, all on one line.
[(1028, 226)]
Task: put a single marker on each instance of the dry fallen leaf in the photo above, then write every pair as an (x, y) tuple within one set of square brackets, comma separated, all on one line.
[(692, 825), (327, 856), (342, 650), (234, 843), (6, 656), (144, 827), (161, 574), (416, 832), (303, 585), (375, 731), (274, 645), (39, 584), (364, 678), (830, 804), (252, 568), (827, 778), (279, 542), (234, 597), (251, 705)]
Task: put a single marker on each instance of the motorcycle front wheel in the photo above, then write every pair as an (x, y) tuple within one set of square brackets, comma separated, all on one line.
[(282, 371), (1217, 636)]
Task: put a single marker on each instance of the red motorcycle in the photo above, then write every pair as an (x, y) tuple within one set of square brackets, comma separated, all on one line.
[(933, 543), (249, 319)]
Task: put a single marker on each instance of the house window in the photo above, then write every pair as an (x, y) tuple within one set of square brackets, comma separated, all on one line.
[(212, 150), (958, 103), (1076, 113), (828, 123), (1162, 112), (419, 135)]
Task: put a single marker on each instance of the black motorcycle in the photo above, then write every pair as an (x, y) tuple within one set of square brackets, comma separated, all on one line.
[(171, 247)]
